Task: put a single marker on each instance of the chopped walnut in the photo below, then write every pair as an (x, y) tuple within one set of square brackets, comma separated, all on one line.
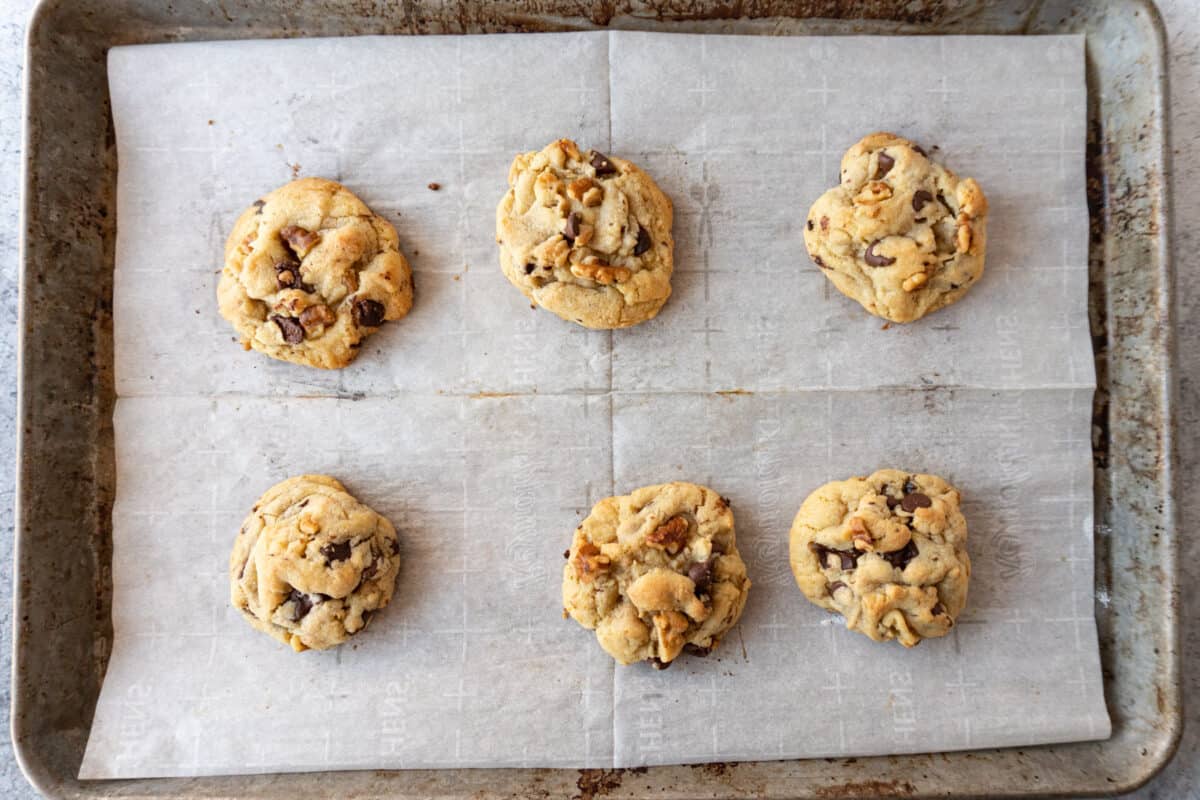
[(586, 233), (589, 562), (859, 535), (316, 315), (554, 250), (248, 243), (593, 196), (301, 240), (569, 149), (914, 281), (600, 272), (873, 192), (670, 626), (669, 536), (579, 187), (962, 237)]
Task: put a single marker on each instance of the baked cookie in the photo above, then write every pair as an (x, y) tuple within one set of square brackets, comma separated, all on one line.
[(902, 235), (888, 552), (310, 272), (311, 564), (656, 572), (587, 236)]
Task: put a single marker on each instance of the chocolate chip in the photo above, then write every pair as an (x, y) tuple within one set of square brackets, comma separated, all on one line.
[(817, 260), (368, 313), (258, 206), (372, 569), (920, 150), (810, 225), (848, 558), (914, 500), (658, 663), (697, 650), (892, 502), (572, 229), (601, 164), (301, 604), (340, 551), (874, 260), (833, 587), (643, 242), (530, 268), (884, 165), (567, 553), (909, 486), (394, 546), (701, 575), (937, 609), (900, 558), (290, 327), (920, 198)]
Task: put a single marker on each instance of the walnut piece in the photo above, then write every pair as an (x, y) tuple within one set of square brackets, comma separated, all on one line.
[(301, 240), (315, 315), (914, 281), (670, 626), (578, 187), (669, 536), (598, 271), (873, 192), (589, 562)]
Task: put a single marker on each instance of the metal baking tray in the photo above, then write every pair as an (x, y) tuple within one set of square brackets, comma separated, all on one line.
[(65, 475)]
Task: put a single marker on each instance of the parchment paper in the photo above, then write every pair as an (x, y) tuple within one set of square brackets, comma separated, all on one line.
[(485, 430)]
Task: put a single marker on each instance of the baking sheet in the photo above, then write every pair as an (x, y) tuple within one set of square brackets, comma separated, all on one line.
[(485, 430)]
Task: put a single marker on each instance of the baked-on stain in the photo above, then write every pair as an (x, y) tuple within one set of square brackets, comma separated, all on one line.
[(856, 789), (594, 783)]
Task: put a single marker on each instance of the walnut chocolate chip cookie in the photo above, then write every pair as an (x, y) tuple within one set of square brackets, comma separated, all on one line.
[(656, 573), (902, 235), (587, 236), (311, 564), (888, 552), (310, 272)]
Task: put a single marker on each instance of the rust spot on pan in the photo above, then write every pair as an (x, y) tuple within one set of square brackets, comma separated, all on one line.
[(867, 789), (594, 783)]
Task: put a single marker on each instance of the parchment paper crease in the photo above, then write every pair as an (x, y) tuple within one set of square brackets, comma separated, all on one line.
[(485, 430)]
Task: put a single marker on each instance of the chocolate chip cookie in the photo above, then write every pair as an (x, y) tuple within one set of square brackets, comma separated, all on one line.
[(656, 573), (586, 235), (311, 564), (887, 552), (310, 272), (902, 234)]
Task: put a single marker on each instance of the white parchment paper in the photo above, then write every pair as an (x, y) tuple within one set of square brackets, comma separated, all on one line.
[(485, 430)]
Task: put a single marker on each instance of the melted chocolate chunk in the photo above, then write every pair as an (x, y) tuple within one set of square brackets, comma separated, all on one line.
[(920, 198), (339, 551), (848, 558), (301, 604), (643, 242), (875, 260), (914, 500), (601, 164), (290, 327), (701, 575), (900, 558), (884, 164), (572, 229), (368, 313)]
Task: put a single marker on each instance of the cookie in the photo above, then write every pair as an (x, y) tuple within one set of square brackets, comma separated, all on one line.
[(311, 564), (310, 272), (902, 234), (888, 552), (586, 235), (656, 572)]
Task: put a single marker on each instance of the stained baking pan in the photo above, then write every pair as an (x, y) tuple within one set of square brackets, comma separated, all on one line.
[(65, 472)]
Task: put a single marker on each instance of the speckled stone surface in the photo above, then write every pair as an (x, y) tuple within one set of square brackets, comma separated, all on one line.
[(1181, 779)]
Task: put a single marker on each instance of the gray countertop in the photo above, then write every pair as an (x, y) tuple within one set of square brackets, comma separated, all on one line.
[(1181, 779)]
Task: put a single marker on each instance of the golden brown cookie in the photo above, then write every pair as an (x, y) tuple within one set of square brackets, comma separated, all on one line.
[(656, 572), (587, 236), (902, 234), (310, 272), (888, 552), (311, 564)]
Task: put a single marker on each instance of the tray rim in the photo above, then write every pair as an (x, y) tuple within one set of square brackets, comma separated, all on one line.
[(1166, 739)]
